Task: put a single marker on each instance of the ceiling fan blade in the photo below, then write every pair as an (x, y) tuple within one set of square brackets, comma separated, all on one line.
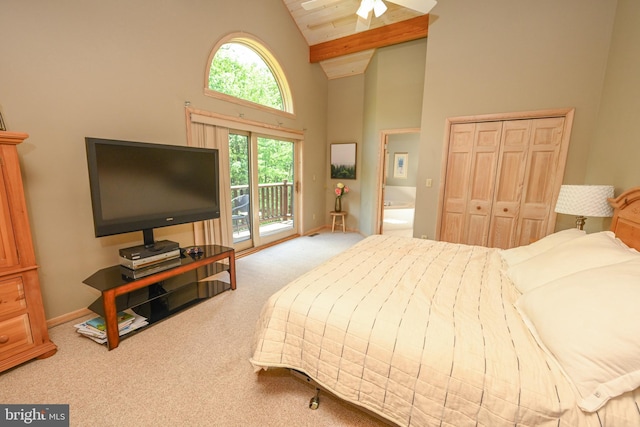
[(363, 24), (366, 6), (379, 8), (422, 6), (315, 4)]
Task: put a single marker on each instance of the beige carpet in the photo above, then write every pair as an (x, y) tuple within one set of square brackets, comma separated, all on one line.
[(192, 369)]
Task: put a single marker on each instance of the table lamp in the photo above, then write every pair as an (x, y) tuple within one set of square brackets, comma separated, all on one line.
[(584, 201)]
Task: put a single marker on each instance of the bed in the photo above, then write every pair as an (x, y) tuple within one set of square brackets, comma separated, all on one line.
[(426, 333)]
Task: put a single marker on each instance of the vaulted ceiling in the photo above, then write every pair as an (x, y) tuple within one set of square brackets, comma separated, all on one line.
[(335, 42)]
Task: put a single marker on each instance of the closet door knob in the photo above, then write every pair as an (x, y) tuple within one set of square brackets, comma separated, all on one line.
[(478, 207), (4, 339), (506, 210)]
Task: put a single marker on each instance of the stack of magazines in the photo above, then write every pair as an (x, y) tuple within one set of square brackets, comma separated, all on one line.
[(96, 328)]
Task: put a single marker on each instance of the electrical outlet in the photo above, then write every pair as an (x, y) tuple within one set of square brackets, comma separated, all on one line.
[(424, 236), (429, 182)]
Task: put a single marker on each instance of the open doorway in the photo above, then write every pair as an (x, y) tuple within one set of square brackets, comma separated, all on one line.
[(397, 181)]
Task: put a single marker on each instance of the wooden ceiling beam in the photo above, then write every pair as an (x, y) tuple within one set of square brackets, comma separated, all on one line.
[(404, 31)]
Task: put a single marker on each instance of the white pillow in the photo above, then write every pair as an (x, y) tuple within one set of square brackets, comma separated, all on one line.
[(589, 251), (515, 256), (590, 323)]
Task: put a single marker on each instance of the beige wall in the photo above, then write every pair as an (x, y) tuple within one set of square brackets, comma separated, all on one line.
[(403, 143), (616, 141), (393, 100), (345, 121), (123, 69), (388, 96), (481, 57), (501, 55)]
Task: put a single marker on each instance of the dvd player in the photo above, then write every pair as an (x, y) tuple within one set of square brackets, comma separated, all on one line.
[(152, 269), (142, 251), (135, 264)]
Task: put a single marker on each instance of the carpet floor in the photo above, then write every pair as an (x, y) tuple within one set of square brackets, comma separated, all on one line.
[(191, 369)]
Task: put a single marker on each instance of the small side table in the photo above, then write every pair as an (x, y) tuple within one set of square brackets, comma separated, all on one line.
[(342, 215)]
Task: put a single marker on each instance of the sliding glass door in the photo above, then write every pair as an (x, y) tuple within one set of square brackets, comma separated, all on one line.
[(263, 190), (239, 162), (276, 193)]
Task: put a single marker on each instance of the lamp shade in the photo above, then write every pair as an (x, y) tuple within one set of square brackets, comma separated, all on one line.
[(585, 200)]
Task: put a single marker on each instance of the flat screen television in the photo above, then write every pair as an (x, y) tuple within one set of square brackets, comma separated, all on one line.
[(139, 186)]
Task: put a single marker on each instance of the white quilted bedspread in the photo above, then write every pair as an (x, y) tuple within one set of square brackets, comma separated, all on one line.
[(422, 333)]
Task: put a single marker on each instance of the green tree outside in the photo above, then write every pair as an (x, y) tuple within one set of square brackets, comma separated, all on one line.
[(239, 71)]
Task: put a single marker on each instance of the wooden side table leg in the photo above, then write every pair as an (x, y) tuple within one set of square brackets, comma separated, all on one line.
[(344, 223), (333, 223)]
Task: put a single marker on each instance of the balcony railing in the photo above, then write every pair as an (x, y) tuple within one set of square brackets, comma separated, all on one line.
[(275, 201)]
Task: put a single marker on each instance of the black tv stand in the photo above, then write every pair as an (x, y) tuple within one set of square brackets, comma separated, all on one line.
[(160, 295)]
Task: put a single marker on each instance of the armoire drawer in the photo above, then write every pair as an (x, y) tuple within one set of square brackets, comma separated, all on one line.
[(15, 334), (12, 297)]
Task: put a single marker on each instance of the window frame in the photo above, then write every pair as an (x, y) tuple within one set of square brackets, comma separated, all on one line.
[(269, 59)]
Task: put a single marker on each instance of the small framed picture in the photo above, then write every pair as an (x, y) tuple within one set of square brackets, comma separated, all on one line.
[(343, 160), (2, 126), (400, 165)]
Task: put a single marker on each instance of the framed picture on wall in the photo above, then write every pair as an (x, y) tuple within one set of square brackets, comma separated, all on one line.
[(400, 165), (343, 160)]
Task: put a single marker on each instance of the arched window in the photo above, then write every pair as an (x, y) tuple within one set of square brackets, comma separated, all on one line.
[(243, 70)]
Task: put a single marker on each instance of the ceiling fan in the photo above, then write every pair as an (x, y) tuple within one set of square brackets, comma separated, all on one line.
[(376, 6)]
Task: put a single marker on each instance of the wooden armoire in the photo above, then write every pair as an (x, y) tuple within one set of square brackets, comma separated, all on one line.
[(23, 327), (501, 177)]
